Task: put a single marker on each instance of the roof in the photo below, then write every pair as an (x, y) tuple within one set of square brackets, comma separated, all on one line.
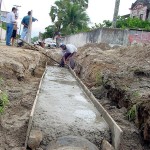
[(144, 2), (126, 16)]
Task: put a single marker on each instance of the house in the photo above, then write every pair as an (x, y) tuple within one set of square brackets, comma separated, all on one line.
[(3, 15), (141, 9), (2, 19)]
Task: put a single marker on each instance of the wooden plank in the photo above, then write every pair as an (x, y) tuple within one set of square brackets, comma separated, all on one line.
[(116, 131), (33, 109)]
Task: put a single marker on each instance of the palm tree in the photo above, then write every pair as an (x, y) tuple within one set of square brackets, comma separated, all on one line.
[(116, 10), (83, 3), (70, 17), (75, 19)]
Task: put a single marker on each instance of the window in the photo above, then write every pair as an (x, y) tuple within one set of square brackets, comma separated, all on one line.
[(141, 16)]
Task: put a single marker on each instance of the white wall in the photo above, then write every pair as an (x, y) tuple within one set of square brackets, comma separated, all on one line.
[(2, 34), (104, 35)]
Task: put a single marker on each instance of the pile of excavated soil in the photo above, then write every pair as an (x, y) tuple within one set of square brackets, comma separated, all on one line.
[(20, 73), (120, 79), (102, 46), (121, 75)]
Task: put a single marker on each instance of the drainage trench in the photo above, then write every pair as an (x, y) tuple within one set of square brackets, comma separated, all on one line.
[(63, 109)]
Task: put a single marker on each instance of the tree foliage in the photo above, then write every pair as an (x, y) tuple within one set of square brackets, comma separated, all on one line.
[(3, 101), (126, 23), (132, 23), (69, 16), (106, 23), (34, 39), (49, 32), (83, 3)]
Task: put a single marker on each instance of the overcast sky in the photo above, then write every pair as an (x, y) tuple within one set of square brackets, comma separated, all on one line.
[(98, 10)]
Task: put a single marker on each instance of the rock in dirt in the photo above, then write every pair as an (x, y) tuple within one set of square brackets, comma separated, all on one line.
[(71, 143), (35, 139)]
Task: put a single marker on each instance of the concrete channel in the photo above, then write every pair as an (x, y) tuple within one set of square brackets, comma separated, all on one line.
[(64, 107)]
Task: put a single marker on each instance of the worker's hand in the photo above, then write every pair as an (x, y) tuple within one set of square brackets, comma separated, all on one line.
[(65, 62), (68, 59)]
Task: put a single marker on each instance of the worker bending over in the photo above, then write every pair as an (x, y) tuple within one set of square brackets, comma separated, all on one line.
[(68, 53)]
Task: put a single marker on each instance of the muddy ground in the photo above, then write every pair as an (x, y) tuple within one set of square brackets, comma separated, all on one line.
[(119, 78), (20, 73)]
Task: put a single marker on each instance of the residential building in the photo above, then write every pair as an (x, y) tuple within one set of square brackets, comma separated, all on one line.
[(141, 9)]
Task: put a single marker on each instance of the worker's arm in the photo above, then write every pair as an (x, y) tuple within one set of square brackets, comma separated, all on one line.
[(64, 60), (24, 25), (72, 55), (34, 19)]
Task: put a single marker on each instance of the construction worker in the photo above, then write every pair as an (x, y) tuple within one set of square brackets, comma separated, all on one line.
[(68, 53), (10, 20), (25, 22), (58, 39)]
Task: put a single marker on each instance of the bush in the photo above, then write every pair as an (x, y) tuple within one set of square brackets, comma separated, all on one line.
[(3, 101), (132, 113)]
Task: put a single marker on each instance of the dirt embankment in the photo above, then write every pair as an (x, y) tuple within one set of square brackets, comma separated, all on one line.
[(121, 75), (20, 73)]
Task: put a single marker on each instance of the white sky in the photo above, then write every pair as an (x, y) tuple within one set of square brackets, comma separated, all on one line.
[(98, 10)]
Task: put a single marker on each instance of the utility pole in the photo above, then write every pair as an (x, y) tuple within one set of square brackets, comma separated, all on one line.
[(0, 19), (116, 10), (0, 6), (28, 39)]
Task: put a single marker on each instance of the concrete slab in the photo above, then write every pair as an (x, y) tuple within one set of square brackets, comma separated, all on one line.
[(64, 109)]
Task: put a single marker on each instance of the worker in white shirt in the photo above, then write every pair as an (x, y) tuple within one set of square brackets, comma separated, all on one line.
[(10, 20), (68, 53)]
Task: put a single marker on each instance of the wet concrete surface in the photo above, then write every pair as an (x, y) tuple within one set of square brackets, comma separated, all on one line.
[(64, 109)]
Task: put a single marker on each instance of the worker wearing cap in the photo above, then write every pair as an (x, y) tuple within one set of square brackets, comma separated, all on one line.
[(68, 52), (10, 20)]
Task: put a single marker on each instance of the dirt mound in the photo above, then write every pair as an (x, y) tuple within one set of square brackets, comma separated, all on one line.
[(102, 46), (121, 75), (20, 72), (19, 62)]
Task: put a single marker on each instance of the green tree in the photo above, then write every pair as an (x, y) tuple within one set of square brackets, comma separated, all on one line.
[(75, 20), (34, 39), (69, 16), (127, 23), (83, 3), (132, 23), (107, 23), (49, 32)]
